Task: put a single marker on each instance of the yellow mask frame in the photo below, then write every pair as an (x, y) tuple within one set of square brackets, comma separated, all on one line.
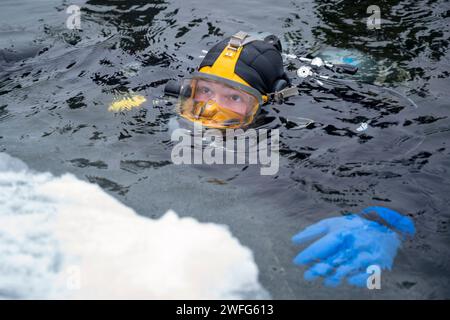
[(212, 114)]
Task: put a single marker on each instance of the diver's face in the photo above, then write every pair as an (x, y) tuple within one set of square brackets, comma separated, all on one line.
[(234, 100)]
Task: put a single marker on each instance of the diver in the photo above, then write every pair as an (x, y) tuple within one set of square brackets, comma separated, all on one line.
[(236, 77), (239, 75)]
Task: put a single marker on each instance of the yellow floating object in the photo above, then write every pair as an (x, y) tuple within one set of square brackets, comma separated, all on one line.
[(126, 104)]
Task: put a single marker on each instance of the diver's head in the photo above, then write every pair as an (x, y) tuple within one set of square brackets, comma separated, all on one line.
[(235, 78)]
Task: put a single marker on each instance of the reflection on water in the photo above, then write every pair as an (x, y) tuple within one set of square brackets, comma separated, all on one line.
[(56, 86)]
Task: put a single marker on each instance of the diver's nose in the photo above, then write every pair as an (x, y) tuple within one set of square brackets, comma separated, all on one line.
[(219, 99), (210, 108)]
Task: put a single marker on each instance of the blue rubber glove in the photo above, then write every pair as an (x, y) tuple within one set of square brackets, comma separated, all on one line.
[(351, 243)]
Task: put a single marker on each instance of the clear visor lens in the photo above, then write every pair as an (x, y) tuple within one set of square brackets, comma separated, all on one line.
[(216, 104)]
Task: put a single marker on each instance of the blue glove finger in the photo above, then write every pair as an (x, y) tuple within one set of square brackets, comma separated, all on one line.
[(321, 249), (318, 270), (314, 231), (346, 253), (340, 261), (359, 280), (325, 268), (360, 263)]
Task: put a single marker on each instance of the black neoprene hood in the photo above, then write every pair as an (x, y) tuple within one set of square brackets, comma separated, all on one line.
[(260, 64)]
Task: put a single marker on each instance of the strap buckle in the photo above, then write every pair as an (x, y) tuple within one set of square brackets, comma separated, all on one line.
[(279, 96), (237, 40)]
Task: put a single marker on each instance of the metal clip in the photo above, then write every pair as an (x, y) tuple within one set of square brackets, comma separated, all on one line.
[(237, 40), (279, 96)]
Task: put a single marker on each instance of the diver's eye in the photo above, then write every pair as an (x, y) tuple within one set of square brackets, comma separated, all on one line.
[(204, 90), (235, 98)]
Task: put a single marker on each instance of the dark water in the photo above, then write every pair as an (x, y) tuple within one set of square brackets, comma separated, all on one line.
[(56, 85)]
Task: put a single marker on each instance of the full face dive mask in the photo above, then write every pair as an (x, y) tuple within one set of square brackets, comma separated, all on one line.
[(235, 78)]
